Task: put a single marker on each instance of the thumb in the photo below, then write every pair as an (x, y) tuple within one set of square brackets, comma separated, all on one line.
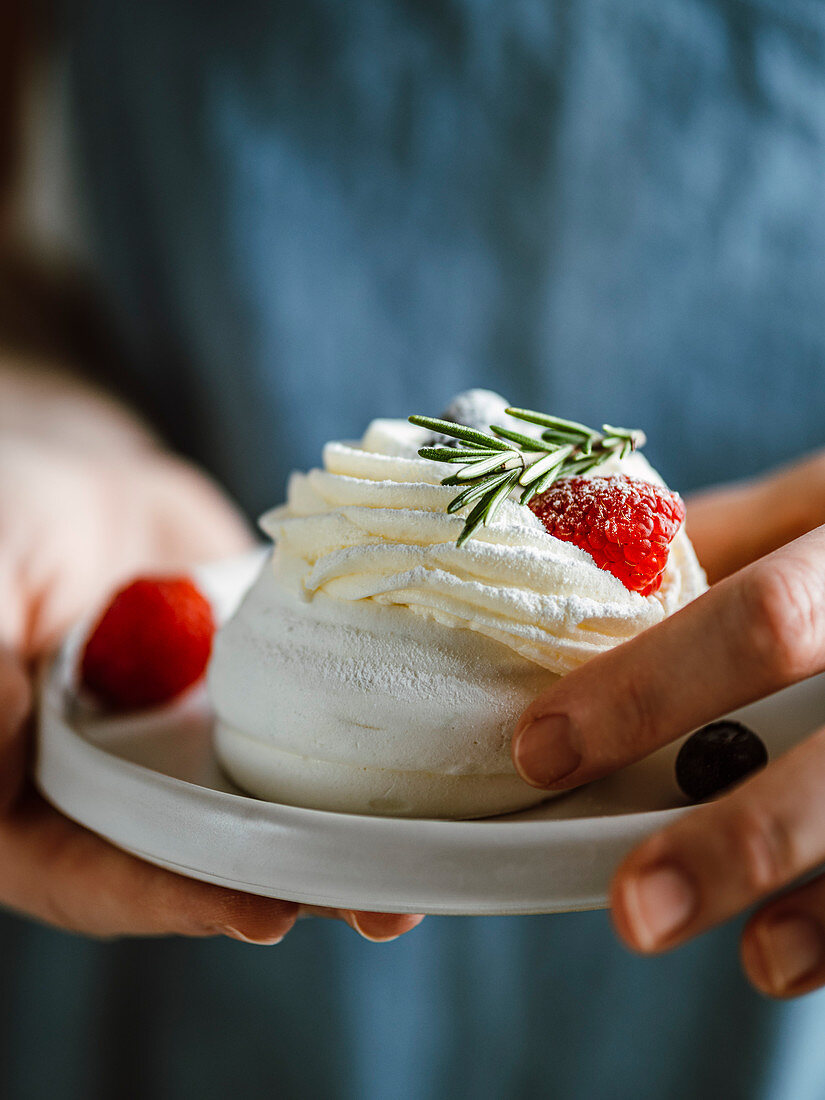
[(15, 709)]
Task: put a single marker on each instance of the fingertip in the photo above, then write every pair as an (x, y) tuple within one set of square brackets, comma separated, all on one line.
[(177, 905), (618, 913), (654, 898), (257, 920), (546, 753), (259, 940), (625, 916), (783, 953), (382, 927), (753, 961)]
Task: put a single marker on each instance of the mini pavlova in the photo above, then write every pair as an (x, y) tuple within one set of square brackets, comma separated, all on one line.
[(426, 584)]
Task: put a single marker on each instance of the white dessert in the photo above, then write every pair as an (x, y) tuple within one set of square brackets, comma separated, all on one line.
[(376, 667)]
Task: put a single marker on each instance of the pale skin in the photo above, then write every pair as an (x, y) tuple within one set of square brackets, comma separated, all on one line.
[(89, 497), (761, 627)]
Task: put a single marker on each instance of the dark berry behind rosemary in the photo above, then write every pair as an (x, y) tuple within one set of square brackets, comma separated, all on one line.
[(473, 409)]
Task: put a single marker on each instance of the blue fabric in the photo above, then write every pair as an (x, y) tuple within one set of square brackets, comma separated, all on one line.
[(305, 215)]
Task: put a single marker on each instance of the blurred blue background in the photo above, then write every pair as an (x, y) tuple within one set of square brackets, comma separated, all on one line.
[(306, 215), (301, 216)]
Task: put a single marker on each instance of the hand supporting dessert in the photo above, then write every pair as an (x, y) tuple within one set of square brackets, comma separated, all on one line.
[(755, 631), (88, 497)]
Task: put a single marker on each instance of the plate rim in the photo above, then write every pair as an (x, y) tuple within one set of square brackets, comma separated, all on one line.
[(483, 839)]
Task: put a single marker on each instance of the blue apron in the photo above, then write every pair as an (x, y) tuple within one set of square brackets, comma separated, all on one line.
[(304, 215)]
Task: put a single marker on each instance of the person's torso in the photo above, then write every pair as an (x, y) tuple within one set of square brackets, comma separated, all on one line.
[(308, 215)]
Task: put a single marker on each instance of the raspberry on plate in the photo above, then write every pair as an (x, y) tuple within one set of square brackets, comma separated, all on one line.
[(626, 525), (151, 643)]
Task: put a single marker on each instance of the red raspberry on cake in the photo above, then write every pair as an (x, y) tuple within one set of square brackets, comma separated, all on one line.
[(151, 643), (626, 525)]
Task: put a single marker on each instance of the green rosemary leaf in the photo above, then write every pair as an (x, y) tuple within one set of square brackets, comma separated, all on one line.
[(582, 465), (454, 454), (493, 469), (573, 443), (459, 431), (485, 511), (488, 465), (542, 484), (635, 437), (447, 454), (500, 495), (526, 442), (541, 467), (529, 493), (560, 438), (573, 426), (482, 488), (475, 519)]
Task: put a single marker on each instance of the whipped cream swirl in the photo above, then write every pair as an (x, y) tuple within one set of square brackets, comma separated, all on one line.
[(372, 525)]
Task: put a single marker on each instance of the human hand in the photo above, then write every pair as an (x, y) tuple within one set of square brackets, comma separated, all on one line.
[(760, 629), (73, 523)]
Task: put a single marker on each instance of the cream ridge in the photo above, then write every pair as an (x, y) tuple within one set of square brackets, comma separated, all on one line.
[(376, 667), (373, 526)]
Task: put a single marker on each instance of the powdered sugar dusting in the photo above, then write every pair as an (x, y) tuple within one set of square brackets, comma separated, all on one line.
[(624, 524), (373, 644)]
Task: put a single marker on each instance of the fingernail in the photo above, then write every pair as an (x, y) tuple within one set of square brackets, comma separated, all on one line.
[(262, 941), (658, 903), (544, 752), (792, 949), (372, 927)]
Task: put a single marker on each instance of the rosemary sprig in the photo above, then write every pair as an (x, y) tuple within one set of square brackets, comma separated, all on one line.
[(494, 466)]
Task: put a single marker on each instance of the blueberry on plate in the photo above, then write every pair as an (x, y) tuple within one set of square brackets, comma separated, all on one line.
[(717, 756)]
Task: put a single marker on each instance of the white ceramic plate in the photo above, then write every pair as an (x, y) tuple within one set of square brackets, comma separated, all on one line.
[(151, 784)]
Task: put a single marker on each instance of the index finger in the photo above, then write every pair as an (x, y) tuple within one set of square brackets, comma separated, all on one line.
[(754, 633)]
